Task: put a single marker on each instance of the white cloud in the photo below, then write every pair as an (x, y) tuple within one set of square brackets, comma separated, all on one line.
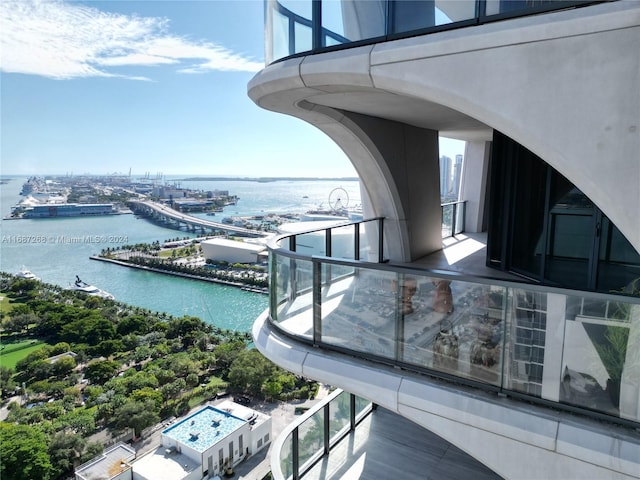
[(62, 41)]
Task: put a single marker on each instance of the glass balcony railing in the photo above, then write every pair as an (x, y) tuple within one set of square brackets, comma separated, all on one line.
[(302, 26), (317, 431), (574, 349), (453, 218)]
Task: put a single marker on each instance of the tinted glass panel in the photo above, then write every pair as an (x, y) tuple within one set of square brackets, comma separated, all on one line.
[(618, 262), (571, 234), (411, 15), (495, 7), (528, 215), (355, 20)]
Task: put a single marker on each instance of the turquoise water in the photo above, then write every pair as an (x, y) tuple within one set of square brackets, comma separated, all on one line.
[(204, 428), (56, 250)]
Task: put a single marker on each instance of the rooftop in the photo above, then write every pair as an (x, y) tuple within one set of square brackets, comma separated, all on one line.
[(204, 428), (223, 242), (164, 464), (112, 462)]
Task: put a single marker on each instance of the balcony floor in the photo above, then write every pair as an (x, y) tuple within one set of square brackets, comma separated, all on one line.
[(386, 445), (465, 253)]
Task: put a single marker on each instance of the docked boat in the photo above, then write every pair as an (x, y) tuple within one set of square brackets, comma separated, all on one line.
[(84, 287), (26, 274)]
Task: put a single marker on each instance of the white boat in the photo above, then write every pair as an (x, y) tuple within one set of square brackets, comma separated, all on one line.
[(26, 274), (84, 287)]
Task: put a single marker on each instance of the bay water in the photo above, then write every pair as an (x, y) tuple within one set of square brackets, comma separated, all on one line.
[(58, 249)]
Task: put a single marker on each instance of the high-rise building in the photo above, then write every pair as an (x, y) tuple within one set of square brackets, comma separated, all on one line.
[(457, 176), (515, 338), (446, 179)]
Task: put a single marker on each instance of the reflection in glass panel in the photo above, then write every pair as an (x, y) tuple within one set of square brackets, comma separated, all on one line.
[(450, 11), (411, 15), (460, 214), (281, 280), (339, 410), (447, 220), (330, 41), (454, 327), (313, 243), (342, 242), (279, 37), (528, 340), (360, 311), (363, 406), (286, 457), (303, 38), (618, 262), (369, 234), (495, 7), (570, 234), (601, 363), (295, 299), (311, 438), (356, 19)]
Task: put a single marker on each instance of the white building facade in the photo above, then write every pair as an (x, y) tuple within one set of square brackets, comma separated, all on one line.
[(545, 95)]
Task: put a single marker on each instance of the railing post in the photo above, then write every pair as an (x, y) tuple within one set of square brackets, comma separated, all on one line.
[(352, 411), (316, 24), (356, 241), (327, 431), (380, 240), (295, 455), (328, 252), (453, 219)]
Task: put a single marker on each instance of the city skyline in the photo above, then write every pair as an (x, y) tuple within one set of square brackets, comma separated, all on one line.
[(112, 87)]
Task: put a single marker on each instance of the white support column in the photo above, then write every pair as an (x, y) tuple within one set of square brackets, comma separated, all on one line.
[(475, 170)]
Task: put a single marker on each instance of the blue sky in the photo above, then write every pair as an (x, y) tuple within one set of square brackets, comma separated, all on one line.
[(151, 86)]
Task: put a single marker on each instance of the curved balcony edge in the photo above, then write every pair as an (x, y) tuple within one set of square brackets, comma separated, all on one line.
[(545, 442)]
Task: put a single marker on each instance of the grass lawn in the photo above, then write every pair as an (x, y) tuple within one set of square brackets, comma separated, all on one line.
[(12, 353), (5, 303)]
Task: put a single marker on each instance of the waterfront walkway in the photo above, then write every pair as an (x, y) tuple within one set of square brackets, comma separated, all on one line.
[(189, 276)]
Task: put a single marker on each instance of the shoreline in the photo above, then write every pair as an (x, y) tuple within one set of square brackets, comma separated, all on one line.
[(189, 276)]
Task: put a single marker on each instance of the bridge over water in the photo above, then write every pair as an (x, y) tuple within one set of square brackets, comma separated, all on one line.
[(178, 219)]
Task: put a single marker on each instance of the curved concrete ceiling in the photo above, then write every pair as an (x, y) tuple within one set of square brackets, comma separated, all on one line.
[(410, 110)]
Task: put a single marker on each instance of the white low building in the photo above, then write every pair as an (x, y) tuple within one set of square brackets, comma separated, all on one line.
[(203, 445), (221, 249)]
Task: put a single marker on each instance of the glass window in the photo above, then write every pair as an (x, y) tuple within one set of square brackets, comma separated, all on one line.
[(411, 15), (527, 246), (340, 415), (618, 262), (311, 438), (451, 11), (350, 21), (495, 7)]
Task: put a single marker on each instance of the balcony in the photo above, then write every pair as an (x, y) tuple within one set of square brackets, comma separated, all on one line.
[(311, 26), (346, 437), (567, 349)]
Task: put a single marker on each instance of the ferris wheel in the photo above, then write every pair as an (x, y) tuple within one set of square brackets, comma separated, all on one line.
[(338, 199)]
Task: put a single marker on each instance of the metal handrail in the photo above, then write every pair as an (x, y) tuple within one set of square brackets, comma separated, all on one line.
[(319, 32), (509, 288)]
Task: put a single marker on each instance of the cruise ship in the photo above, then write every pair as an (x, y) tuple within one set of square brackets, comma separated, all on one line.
[(506, 323), (69, 210)]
